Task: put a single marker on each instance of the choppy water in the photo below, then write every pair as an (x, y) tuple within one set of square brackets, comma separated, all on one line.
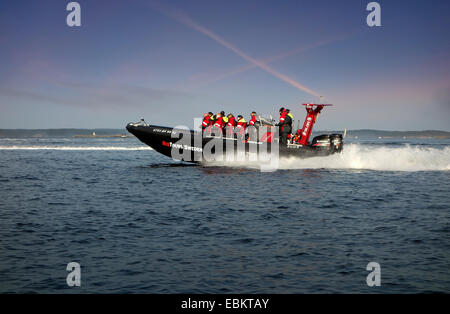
[(138, 222)]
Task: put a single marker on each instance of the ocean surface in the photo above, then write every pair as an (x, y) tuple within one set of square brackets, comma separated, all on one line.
[(138, 222)]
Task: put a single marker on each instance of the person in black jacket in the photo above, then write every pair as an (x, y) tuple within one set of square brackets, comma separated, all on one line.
[(285, 125)]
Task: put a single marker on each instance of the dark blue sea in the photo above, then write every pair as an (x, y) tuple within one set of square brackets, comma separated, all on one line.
[(138, 222)]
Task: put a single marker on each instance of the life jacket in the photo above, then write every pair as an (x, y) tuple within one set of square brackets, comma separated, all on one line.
[(283, 117), (252, 121), (225, 120), (297, 136), (231, 122), (219, 123), (290, 115), (242, 124), (288, 119), (206, 121)]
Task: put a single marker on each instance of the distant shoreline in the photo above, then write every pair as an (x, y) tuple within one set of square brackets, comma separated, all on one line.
[(121, 133), (396, 134)]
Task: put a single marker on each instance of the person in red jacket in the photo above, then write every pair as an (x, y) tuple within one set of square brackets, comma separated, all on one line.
[(252, 119), (206, 121), (285, 125), (297, 136), (231, 124), (218, 125), (283, 114), (241, 126), (252, 133)]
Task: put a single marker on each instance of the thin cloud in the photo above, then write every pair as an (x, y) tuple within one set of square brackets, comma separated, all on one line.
[(205, 79), (182, 18)]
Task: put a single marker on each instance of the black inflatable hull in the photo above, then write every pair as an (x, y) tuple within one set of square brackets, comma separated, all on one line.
[(164, 140)]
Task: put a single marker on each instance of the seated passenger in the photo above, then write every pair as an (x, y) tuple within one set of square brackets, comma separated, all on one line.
[(218, 125), (241, 126), (252, 132), (206, 121), (297, 137), (230, 125), (225, 119), (253, 119)]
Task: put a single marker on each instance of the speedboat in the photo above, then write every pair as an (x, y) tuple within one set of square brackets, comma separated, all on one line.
[(197, 146)]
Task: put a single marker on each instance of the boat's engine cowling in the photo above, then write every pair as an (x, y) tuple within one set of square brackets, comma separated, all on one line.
[(322, 142), (336, 142)]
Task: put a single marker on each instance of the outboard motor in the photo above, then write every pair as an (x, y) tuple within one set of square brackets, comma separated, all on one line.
[(322, 142), (336, 142)]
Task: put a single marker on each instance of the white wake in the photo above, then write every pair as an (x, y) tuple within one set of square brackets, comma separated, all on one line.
[(362, 157), (384, 158), (354, 156)]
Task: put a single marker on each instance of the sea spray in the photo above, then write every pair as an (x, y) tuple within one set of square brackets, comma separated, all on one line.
[(368, 157), (384, 158)]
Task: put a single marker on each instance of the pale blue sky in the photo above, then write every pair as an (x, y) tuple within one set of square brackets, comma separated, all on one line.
[(139, 58)]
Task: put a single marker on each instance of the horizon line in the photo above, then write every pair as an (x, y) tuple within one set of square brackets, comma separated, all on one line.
[(115, 128)]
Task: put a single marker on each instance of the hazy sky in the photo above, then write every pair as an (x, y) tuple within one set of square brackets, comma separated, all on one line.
[(170, 61)]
